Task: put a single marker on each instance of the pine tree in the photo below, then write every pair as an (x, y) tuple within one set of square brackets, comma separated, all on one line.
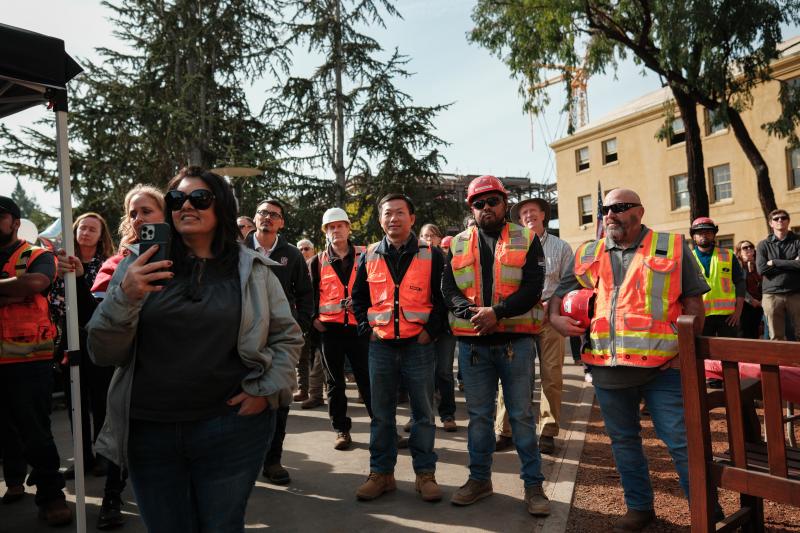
[(29, 208)]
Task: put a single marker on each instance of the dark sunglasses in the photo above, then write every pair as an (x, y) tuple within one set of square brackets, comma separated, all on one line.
[(493, 201), (305, 249), (748, 247), (618, 208), (199, 198), (780, 218)]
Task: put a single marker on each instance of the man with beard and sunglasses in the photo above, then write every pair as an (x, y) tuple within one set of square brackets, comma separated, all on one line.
[(493, 278), (642, 280), (26, 359), (293, 274)]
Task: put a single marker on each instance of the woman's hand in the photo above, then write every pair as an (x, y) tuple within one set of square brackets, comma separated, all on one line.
[(250, 405), (68, 264), (141, 274)]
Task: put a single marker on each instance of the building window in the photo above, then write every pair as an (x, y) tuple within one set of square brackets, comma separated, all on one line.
[(712, 128), (678, 132), (725, 241), (679, 185), (720, 182), (609, 151), (582, 158), (585, 209), (794, 168)]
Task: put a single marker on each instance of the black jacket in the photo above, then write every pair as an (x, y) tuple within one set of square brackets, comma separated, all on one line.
[(398, 263), (783, 276), (294, 277)]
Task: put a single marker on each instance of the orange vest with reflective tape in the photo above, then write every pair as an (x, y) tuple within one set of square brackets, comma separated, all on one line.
[(334, 296), (721, 299), (510, 254), (633, 324), (399, 312), (26, 331)]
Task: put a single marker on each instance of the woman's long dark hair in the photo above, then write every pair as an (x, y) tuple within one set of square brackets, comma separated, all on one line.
[(225, 245)]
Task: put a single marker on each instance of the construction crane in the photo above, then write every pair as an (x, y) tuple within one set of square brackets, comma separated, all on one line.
[(578, 104)]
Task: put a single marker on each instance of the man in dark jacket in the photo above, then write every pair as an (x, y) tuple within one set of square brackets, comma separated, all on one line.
[(778, 261), (296, 283)]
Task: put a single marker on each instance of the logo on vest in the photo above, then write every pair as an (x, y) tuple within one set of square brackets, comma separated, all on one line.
[(414, 288)]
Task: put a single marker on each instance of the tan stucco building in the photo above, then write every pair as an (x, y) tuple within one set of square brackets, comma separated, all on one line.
[(621, 150)]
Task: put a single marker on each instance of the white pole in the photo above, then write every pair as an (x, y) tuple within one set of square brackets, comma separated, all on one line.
[(65, 189)]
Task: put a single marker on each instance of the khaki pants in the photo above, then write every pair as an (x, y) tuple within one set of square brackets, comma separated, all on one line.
[(551, 364), (777, 307)]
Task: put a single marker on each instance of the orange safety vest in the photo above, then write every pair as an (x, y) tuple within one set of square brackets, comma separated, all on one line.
[(510, 254), (334, 296), (633, 324), (721, 299), (26, 331), (399, 312)]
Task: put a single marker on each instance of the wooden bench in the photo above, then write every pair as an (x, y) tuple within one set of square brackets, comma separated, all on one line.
[(754, 469)]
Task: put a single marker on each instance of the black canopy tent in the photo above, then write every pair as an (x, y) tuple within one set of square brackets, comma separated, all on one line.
[(35, 69)]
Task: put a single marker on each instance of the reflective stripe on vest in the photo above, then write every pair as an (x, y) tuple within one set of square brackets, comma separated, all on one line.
[(634, 323), (399, 312), (26, 331), (721, 299), (334, 296), (510, 254)]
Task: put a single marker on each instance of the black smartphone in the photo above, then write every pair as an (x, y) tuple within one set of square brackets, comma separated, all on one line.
[(152, 234)]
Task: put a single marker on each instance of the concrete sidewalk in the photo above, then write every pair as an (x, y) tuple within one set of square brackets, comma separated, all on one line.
[(321, 495)]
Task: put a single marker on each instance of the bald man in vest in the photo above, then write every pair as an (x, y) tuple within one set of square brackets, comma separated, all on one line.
[(633, 340)]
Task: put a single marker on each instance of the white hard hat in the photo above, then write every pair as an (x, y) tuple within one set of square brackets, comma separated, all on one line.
[(334, 214)]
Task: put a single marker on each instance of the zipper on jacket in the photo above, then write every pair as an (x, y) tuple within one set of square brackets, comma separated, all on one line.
[(612, 327), (396, 313), (346, 297)]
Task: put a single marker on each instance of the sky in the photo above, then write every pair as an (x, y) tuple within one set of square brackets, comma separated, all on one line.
[(485, 127)]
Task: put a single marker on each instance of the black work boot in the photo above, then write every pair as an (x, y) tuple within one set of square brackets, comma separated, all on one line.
[(110, 516)]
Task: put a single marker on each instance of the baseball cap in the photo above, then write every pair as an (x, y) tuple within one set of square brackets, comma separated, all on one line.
[(7, 205)]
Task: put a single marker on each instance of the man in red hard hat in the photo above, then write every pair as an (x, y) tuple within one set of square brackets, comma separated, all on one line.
[(633, 340), (493, 278)]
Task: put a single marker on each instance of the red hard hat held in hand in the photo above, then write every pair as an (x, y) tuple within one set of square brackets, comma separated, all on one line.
[(579, 305), (484, 184)]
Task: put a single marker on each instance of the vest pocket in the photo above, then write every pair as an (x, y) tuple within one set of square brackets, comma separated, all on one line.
[(638, 322), (416, 315), (377, 287), (660, 264)]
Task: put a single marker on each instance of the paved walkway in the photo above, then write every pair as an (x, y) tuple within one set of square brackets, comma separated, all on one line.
[(321, 495)]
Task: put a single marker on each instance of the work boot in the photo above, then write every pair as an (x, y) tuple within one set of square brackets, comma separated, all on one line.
[(472, 491), (536, 501), (427, 487), (56, 513), (14, 493), (110, 516), (547, 444), (634, 520), (300, 396), (311, 403), (503, 443), (449, 425), (276, 474), (376, 485), (343, 440)]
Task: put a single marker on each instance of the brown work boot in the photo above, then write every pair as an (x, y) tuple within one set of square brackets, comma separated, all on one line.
[(14, 494), (536, 501), (300, 396), (56, 513), (376, 485), (634, 520), (547, 444), (311, 403), (343, 440), (472, 491), (427, 487), (449, 425)]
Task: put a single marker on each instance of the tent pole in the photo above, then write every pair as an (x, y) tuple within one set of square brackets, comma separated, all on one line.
[(73, 348)]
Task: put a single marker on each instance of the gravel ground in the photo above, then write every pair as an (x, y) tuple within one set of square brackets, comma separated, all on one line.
[(598, 501)]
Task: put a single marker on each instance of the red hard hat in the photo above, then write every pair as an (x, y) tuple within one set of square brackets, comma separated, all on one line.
[(483, 185), (701, 223), (579, 305)]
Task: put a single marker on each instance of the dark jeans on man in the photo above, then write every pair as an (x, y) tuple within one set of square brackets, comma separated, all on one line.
[(25, 396), (715, 326), (14, 466), (445, 384), (197, 476), (339, 342)]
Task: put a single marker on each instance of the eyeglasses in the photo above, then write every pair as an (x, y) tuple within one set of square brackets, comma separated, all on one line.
[(269, 214), (493, 201), (199, 198), (618, 208), (780, 218), (748, 247), (305, 249)]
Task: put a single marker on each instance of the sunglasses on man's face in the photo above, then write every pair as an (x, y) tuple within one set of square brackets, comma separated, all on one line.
[(618, 208), (305, 249), (492, 201), (199, 198), (780, 218)]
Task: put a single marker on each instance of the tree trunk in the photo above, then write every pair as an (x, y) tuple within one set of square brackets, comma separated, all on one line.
[(698, 196), (765, 194), (338, 165)]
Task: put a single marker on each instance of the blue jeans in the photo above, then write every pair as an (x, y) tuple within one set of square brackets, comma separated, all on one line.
[(445, 384), (620, 408), (197, 476), (416, 364), (481, 366)]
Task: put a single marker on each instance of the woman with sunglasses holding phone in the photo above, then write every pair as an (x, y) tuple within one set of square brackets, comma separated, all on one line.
[(205, 358), (752, 312)]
